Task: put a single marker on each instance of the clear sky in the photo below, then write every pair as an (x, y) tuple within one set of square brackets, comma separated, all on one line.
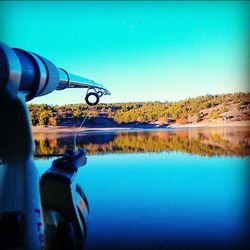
[(141, 51)]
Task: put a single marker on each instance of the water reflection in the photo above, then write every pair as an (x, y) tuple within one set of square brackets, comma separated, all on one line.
[(162, 201), (208, 142)]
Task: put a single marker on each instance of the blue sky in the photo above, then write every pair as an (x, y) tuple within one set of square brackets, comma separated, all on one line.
[(141, 51)]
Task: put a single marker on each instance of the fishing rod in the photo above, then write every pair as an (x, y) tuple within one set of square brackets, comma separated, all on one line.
[(34, 75), (51, 213)]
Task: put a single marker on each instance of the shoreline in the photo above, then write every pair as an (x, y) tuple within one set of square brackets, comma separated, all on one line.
[(216, 124), (64, 129)]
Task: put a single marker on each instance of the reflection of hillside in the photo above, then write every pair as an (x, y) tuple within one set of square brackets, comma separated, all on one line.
[(209, 142)]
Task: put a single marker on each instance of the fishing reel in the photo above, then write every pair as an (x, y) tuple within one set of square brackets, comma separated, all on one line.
[(65, 207)]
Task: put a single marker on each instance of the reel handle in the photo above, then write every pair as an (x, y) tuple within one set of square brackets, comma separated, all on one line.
[(65, 207)]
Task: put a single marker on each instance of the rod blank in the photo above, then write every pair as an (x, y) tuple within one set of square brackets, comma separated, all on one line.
[(36, 76)]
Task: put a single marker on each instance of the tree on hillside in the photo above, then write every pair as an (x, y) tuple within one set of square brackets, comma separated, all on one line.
[(33, 118), (44, 117), (53, 121)]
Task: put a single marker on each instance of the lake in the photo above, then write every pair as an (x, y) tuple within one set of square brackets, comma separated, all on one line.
[(162, 189)]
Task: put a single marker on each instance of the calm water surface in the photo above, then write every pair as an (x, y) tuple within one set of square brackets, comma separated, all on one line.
[(162, 189)]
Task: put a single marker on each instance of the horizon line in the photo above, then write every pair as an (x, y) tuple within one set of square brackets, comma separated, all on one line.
[(166, 101)]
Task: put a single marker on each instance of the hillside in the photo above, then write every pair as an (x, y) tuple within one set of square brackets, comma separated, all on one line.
[(204, 109)]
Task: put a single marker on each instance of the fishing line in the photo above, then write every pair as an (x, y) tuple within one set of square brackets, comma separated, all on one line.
[(75, 137), (84, 119)]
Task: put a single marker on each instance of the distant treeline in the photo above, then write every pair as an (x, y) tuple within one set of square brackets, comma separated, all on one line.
[(191, 109)]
